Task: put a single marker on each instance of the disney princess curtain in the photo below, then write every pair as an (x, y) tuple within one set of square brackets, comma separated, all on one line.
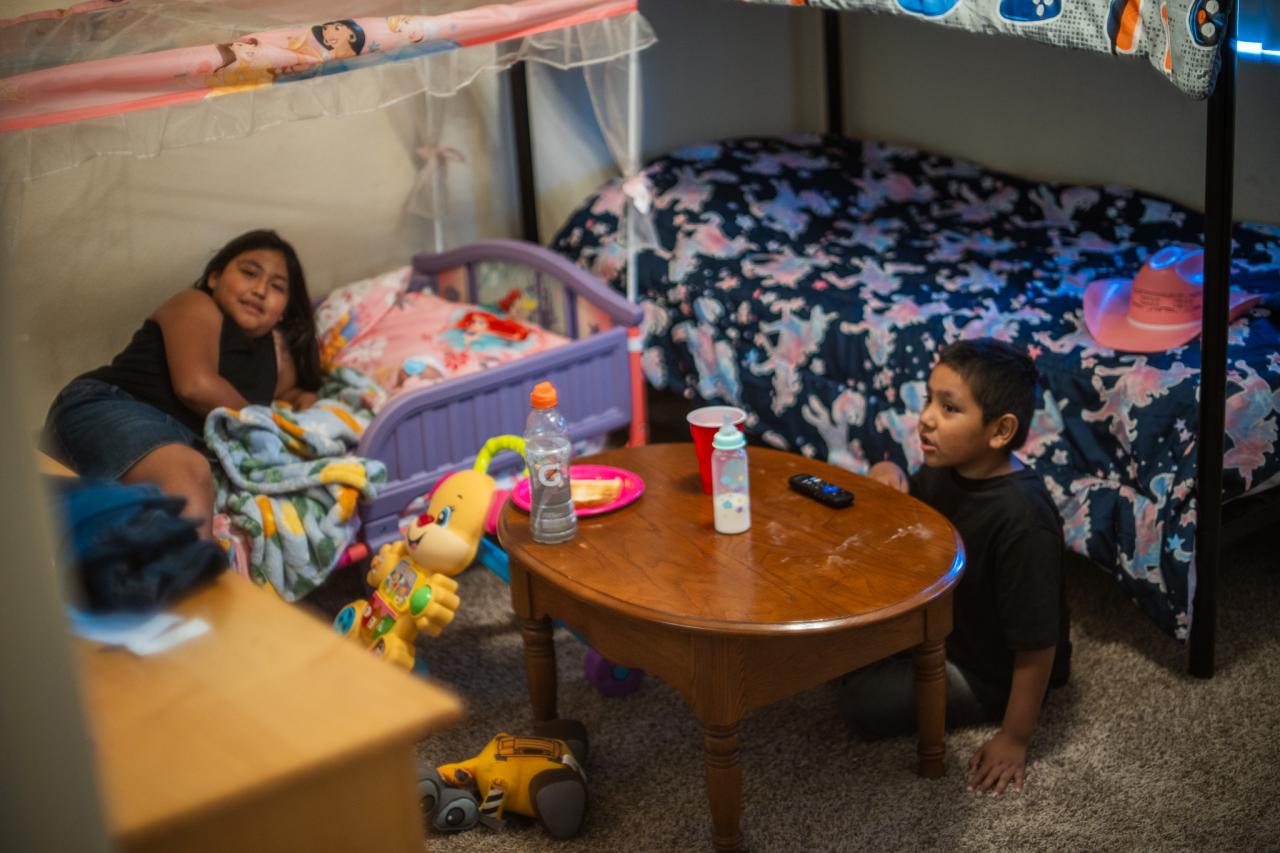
[(137, 77)]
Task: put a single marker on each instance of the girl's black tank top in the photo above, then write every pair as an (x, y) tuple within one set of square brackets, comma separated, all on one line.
[(142, 370)]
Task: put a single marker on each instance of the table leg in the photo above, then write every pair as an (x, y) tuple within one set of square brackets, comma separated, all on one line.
[(724, 784), (931, 706), (540, 667)]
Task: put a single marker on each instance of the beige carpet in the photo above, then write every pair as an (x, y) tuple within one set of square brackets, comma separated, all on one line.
[(1133, 755)]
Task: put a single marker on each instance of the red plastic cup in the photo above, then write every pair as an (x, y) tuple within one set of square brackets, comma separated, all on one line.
[(704, 423)]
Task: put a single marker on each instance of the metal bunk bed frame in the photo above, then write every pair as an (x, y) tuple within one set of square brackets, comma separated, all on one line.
[(1219, 174)]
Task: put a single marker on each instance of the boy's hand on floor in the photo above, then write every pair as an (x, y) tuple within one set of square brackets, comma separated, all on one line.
[(997, 763), (890, 474)]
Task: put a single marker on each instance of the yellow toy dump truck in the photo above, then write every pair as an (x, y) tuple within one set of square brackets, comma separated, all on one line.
[(539, 776)]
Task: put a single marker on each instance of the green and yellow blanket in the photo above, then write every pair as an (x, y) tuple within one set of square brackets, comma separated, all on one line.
[(288, 480)]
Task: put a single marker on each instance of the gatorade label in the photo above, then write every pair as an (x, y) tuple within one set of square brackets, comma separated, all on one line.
[(549, 475)]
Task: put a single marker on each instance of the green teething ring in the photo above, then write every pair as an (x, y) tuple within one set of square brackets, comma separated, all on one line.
[(494, 446)]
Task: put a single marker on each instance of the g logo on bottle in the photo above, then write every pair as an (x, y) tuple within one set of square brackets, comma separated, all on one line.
[(549, 475)]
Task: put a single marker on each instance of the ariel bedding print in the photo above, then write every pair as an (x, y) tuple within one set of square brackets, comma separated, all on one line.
[(405, 340), (811, 279)]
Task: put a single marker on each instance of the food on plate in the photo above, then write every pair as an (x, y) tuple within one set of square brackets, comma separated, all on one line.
[(595, 492)]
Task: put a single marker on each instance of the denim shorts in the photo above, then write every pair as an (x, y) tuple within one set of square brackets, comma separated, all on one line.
[(100, 431)]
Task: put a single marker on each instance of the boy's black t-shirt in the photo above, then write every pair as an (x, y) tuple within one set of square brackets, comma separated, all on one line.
[(1011, 597)]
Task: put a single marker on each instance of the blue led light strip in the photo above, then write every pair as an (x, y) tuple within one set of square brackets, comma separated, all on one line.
[(1258, 30)]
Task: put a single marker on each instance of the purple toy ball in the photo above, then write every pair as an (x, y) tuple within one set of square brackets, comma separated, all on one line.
[(610, 679)]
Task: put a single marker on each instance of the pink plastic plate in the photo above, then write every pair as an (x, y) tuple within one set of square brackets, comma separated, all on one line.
[(632, 488)]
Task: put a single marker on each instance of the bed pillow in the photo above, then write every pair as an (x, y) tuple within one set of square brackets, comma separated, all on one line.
[(353, 309), (405, 340)]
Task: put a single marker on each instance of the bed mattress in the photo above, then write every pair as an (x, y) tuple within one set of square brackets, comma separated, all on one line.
[(811, 279), (404, 339)]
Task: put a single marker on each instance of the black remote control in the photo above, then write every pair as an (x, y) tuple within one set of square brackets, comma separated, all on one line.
[(821, 491)]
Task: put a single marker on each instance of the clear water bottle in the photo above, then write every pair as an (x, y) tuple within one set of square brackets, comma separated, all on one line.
[(730, 488), (547, 451)]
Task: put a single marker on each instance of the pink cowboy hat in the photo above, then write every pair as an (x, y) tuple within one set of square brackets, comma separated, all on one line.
[(1159, 308)]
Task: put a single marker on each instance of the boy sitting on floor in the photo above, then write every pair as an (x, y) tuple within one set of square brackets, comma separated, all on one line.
[(1010, 635)]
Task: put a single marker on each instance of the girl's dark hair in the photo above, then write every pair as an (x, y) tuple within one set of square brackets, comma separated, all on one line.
[(357, 45), (1001, 378), (298, 323)]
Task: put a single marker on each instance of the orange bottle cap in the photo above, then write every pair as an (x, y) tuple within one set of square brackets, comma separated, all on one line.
[(543, 396)]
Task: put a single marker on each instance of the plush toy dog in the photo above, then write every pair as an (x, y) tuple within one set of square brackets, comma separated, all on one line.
[(444, 539), (412, 578), (413, 583)]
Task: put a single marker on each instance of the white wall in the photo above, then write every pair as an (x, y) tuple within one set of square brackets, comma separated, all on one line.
[(719, 69), (726, 69), (98, 247), (723, 69), (1047, 113)]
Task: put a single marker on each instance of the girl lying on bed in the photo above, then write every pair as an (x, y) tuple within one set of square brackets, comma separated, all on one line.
[(243, 334)]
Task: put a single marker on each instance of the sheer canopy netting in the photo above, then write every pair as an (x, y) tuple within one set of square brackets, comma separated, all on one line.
[(136, 77), (1179, 38)]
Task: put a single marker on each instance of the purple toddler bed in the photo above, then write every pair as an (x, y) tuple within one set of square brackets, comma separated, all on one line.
[(424, 434)]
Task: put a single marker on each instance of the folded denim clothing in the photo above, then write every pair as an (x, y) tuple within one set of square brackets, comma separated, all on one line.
[(131, 548)]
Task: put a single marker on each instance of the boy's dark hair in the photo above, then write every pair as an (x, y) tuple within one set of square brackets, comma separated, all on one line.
[(298, 323), (1001, 378)]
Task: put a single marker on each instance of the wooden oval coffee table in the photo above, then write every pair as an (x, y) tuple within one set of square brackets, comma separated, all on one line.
[(737, 622)]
